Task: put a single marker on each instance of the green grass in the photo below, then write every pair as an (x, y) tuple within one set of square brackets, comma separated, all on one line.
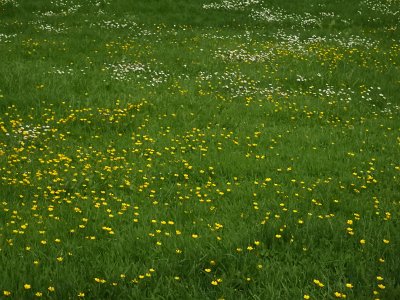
[(199, 149)]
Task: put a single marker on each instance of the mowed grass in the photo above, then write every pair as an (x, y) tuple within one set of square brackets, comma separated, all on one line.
[(199, 150)]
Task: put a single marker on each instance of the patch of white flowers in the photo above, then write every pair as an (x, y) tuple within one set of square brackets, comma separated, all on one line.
[(242, 55), (29, 132), (70, 7), (114, 24), (278, 15), (384, 7), (14, 3), (127, 71), (231, 4), (6, 38)]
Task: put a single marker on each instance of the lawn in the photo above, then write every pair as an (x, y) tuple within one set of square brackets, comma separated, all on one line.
[(204, 149)]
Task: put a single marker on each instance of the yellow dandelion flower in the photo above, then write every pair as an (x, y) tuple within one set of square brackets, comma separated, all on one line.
[(381, 286), (6, 293), (338, 295)]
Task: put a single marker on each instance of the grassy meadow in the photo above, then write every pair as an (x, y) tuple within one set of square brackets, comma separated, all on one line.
[(204, 149)]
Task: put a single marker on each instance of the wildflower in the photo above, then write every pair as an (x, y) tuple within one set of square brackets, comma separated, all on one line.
[(81, 295), (27, 286), (6, 293), (338, 295), (381, 286), (349, 285), (51, 289), (319, 283)]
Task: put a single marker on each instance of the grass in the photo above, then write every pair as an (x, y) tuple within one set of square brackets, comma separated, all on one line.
[(199, 150)]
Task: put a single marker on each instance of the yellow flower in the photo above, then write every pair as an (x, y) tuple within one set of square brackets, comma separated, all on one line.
[(319, 283), (51, 289), (349, 285), (381, 286), (6, 293), (38, 294), (306, 296), (214, 282), (362, 242), (27, 286), (81, 294), (207, 270)]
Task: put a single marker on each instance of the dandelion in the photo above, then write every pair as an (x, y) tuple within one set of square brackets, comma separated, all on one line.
[(381, 286), (6, 293), (318, 283)]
